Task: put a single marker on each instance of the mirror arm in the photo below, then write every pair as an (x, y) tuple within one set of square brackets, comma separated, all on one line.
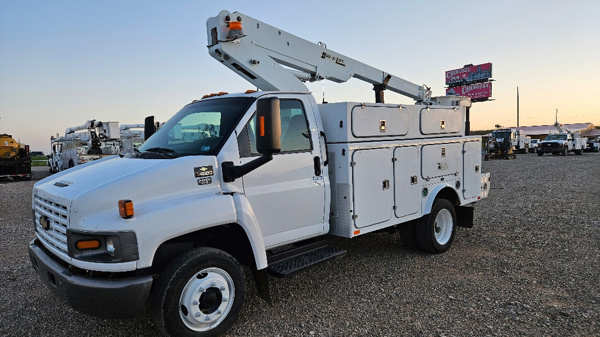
[(232, 172)]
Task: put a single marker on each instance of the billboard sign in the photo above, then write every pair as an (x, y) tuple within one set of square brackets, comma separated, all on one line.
[(470, 74), (476, 91)]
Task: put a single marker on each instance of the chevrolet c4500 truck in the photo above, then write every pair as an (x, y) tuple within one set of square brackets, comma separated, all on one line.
[(260, 179)]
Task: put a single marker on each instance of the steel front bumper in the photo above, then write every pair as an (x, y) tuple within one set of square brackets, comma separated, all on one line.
[(102, 297)]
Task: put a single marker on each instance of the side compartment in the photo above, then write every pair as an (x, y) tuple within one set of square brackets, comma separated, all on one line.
[(372, 192), (440, 160), (471, 169), (406, 181), (441, 121)]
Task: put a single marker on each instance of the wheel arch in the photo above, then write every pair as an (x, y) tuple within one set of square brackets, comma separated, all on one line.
[(230, 238), (443, 192)]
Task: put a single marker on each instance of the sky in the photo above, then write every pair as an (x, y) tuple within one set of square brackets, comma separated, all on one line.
[(65, 62)]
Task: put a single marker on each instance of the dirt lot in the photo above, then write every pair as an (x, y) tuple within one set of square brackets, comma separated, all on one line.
[(529, 267)]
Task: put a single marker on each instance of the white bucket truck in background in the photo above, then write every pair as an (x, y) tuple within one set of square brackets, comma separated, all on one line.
[(81, 144), (255, 179)]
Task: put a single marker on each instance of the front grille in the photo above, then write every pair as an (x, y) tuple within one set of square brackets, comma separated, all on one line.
[(58, 218)]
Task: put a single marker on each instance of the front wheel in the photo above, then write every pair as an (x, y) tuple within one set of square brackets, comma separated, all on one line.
[(436, 230), (540, 153), (201, 293)]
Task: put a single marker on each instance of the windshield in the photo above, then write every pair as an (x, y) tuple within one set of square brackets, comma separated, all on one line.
[(199, 128), (501, 134), (556, 137)]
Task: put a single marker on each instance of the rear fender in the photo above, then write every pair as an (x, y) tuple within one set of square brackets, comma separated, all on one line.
[(452, 196)]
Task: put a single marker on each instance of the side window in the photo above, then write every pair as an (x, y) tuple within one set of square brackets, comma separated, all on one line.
[(295, 136)]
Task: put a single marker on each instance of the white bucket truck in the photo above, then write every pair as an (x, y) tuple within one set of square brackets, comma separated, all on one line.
[(84, 143), (255, 179)]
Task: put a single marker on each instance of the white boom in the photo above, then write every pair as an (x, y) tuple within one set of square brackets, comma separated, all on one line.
[(274, 60)]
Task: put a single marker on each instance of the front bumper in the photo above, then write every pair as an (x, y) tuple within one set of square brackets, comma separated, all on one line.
[(101, 297), (550, 147)]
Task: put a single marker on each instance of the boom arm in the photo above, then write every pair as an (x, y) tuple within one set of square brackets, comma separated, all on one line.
[(274, 60)]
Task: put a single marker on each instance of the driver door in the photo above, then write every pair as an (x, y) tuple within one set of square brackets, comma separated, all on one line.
[(287, 194)]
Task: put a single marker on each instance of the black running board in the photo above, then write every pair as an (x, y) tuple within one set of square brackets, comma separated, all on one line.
[(297, 259)]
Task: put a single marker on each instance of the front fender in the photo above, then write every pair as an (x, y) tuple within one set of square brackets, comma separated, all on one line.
[(156, 224), (247, 220)]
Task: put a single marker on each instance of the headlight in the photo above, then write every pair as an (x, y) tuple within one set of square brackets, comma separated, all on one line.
[(107, 247)]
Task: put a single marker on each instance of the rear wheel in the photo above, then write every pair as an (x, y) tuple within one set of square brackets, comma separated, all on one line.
[(199, 294), (436, 230)]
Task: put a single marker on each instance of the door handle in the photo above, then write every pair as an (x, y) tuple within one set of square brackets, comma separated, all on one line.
[(317, 162)]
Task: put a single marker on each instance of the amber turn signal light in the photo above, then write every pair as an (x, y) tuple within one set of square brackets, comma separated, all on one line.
[(87, 244), (126, 209)]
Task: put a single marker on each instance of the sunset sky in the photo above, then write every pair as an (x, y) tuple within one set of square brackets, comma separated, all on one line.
[(65, 62)]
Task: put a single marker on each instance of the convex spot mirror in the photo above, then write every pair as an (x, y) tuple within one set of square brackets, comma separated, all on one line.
[(268, 126)]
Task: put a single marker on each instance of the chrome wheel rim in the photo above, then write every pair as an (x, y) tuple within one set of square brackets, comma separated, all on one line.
[(206, 299), (443, 226)]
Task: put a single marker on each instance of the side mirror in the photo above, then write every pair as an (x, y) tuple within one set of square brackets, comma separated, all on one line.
[(268, 126), (149, 127)]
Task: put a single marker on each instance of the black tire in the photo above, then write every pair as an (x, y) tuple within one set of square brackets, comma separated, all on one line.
[(71, 163), (408, 233), (565, 151), (540, 154), (216, 273), (443, 212)]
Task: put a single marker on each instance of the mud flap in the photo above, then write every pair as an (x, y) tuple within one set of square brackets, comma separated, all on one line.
[(464, 216)]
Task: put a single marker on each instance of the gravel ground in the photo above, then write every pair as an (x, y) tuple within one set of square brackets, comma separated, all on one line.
[(529, 267)]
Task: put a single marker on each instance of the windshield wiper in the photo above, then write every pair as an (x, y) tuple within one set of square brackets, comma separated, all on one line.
[(164, 151)]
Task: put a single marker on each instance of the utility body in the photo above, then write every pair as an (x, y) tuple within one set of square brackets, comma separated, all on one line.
[(257, 179), (562, 142)]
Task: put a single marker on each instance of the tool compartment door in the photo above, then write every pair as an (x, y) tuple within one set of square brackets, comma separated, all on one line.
[(441, 160), (406, 187), (472, 169), (379, 121), (372, 191), (441, 121)]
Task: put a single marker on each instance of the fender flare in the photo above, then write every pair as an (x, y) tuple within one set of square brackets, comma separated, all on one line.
[(247, 220), (433, 194)]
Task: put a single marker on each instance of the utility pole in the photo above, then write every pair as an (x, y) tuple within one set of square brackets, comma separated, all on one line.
[(517, 106)]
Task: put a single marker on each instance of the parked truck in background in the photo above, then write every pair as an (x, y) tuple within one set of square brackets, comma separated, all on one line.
[(534, 145), (562, 142), (504, 143), (15, 160), (593, 145), (260, 179), (81, 144), (132, 136)]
